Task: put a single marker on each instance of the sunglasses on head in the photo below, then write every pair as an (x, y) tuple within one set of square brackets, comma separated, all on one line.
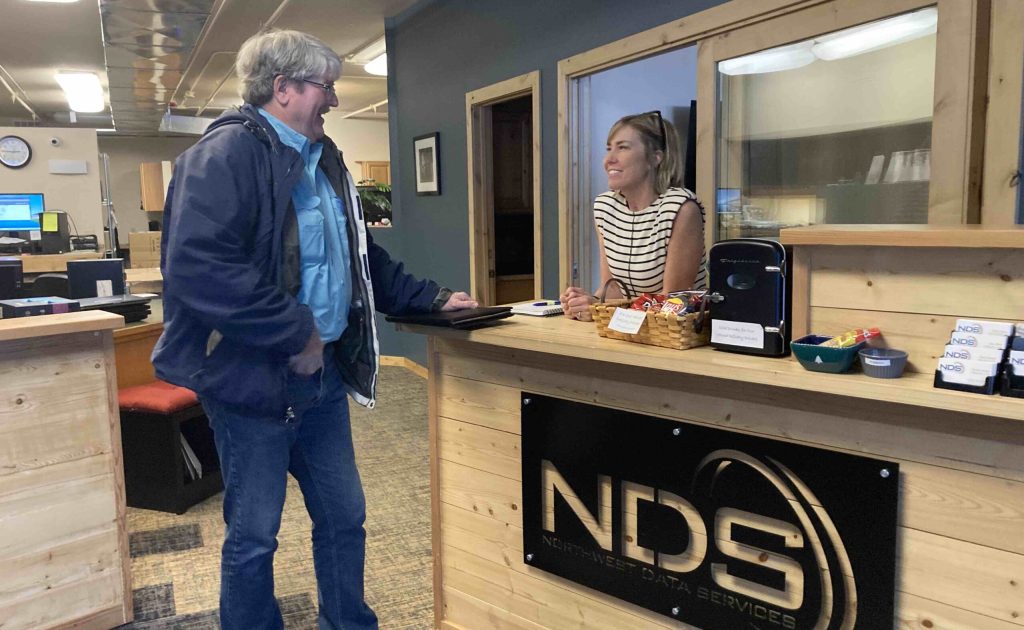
[(661, 126)]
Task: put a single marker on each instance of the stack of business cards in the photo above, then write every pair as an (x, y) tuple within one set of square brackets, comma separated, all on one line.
[(974, 355)]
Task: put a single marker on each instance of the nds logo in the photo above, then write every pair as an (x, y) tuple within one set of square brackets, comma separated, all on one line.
[(1017, 362), (953, 366), (963, 341), (801, 576), (969, 328), (958, 354)]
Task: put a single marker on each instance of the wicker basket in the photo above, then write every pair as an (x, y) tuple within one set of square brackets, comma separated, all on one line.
[(667, 330)]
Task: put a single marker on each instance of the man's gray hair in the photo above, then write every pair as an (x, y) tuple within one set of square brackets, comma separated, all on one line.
[(294, 54)]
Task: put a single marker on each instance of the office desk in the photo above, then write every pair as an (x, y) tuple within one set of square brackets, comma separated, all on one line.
[(64, 549), (51, 263), (133, 345)]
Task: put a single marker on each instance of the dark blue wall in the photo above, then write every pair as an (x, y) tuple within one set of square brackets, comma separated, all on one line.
[(438, 51)]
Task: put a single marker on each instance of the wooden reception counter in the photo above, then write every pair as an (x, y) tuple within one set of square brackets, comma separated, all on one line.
[(960, 561), (959, 548), (64, 558)]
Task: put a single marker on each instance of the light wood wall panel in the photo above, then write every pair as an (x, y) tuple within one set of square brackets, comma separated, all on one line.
[(913, 295), (946, 281), (962, 487)]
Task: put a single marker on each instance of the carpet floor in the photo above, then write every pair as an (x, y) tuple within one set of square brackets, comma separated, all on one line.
[(176, 559)]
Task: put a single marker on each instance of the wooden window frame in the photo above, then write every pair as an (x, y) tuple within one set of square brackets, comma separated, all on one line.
[(745, 26), (1001, 172)]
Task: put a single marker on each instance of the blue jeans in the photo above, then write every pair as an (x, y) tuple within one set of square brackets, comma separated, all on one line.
[(314, 444)]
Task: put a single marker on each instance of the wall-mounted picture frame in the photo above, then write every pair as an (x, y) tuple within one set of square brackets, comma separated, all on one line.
[(427, 150)]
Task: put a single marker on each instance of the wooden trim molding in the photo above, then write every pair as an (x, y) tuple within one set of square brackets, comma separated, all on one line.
[(480, 186), (405, 362), (979, 236), (1002, 161)]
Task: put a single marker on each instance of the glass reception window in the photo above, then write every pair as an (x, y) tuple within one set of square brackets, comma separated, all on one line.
[(834, 129)]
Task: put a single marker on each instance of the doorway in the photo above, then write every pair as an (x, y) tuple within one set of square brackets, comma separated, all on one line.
[(504, 191)]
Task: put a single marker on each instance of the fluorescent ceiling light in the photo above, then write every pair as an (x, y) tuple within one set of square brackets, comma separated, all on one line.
[(881, 34), (82, 90), (378, 66), (106, 130), (771, 60), (841, 44), (370, 52)]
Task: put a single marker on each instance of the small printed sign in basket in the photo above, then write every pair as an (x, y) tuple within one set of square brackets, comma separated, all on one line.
[(666, 330)]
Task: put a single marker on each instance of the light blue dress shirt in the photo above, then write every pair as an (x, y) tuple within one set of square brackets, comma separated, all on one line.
[(323, 237)]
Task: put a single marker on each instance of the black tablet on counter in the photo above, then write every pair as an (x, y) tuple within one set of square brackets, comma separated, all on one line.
[(464, 319)]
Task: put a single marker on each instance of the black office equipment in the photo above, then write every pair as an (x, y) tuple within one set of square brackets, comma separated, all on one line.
[(85, 242), (56, 235), (464, 319), (11, 278), (133, 308), (55, 284), (750, 295), (103, 277), (27, 307)]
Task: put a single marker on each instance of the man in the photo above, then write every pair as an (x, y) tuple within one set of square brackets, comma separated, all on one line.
[(270, 282)]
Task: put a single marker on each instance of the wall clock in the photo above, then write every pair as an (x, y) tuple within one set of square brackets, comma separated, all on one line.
[(14, 152)]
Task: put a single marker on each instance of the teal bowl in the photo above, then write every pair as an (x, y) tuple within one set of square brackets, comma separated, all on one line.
[(816, 358)]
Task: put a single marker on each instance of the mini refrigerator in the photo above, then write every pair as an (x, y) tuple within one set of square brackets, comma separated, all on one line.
[(750, 288)]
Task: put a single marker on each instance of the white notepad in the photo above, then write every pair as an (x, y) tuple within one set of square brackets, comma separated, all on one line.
[(537, 309)]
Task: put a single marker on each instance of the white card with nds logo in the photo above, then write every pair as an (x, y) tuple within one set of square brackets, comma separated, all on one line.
[(980, 327), (977, 341), (966, 372), (967, 353), (1017, 362)]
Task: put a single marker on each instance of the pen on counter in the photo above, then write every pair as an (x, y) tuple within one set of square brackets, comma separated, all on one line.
[(547, 303)]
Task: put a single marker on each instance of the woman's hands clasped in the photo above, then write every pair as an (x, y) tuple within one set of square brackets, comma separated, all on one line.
[(576, 303)]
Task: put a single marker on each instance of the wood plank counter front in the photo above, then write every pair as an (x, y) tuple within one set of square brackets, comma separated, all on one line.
[(64, 559), (960, 526)]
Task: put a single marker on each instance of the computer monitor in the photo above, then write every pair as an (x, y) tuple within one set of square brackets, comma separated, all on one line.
[(20, 211), (101, 277)]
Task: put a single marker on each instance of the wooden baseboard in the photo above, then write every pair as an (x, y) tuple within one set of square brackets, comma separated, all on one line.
[(405, 362)]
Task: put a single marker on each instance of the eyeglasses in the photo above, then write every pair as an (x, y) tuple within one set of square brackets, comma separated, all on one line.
[(326, 87), (661, 126)]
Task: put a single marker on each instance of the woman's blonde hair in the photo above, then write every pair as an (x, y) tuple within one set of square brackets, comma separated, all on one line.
[(657, 134)]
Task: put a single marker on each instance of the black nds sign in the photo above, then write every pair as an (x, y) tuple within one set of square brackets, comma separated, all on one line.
[(717, 529)]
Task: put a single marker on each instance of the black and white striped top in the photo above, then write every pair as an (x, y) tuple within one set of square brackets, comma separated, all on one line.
[(636, 243)]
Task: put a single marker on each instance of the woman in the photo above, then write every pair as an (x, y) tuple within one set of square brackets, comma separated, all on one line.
[(651, 230)]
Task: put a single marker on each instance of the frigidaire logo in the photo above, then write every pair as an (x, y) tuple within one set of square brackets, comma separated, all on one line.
[(756, 583)]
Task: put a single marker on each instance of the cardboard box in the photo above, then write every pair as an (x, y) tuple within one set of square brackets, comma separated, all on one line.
[(145, 249)]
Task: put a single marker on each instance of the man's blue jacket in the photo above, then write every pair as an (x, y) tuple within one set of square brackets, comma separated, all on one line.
[(230, 262)]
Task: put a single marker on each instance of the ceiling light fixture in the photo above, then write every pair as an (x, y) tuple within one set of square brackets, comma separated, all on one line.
[(772, 60), (82, 90), (868, 37), (839, 45), (378, 66), (373, 57)]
